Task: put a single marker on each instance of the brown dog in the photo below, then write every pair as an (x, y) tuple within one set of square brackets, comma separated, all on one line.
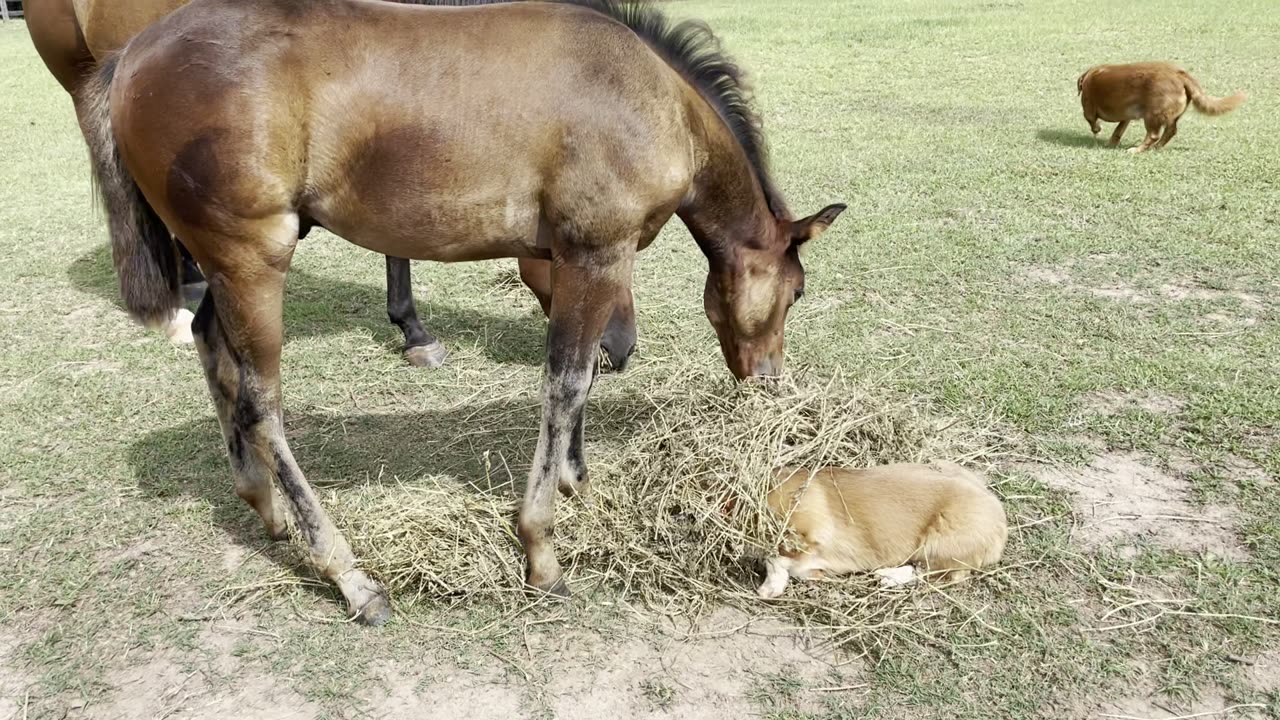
[(940, 518), (1156, 93)]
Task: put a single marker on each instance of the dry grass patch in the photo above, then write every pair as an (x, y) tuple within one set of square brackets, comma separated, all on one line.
[(676, 516)]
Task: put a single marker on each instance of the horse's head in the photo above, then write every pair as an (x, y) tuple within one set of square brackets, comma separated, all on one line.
[(747, 298)]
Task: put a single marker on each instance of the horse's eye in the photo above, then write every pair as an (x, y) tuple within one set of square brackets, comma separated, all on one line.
[(799, 294)]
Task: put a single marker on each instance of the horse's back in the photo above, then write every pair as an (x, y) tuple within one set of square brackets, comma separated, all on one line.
[(389, 123)]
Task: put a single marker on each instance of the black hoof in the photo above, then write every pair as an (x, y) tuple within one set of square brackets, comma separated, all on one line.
[(426, 356)]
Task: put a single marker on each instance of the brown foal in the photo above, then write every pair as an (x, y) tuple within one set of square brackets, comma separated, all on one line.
[(569, 132), (70, 34)]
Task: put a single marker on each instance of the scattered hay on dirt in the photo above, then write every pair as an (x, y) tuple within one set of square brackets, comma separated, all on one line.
[(676, 514)]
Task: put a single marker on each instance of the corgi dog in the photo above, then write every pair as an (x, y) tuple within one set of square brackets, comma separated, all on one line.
[(1156, 93), (891, 519)]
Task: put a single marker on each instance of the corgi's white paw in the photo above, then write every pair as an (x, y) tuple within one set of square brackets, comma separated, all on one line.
[(896, 577)]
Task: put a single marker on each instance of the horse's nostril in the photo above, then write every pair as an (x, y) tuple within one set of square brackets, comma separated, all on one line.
[(767, 368)]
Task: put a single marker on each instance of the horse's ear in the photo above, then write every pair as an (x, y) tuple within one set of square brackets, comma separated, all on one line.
[(814, 225)]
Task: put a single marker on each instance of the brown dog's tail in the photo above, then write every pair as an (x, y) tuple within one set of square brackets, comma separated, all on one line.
[(1080, 83), (1207, 104)]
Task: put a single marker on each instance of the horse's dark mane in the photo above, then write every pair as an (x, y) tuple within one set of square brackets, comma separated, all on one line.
[(692, 49)]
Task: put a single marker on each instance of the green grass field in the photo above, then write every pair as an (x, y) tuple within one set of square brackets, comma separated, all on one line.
[(1109, 321)]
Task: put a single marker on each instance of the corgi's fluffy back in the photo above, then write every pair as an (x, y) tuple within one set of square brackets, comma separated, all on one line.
[(939, 517)]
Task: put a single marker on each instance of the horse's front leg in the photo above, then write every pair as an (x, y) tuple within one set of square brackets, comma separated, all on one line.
[(584, 292)]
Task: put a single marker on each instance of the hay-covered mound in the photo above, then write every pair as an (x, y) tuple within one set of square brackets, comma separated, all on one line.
[(676, 513)]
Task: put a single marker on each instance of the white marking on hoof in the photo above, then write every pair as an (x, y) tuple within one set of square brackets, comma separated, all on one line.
[(427, 356), (178, 329)]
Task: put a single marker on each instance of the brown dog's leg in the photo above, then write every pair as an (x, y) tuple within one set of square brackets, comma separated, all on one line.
[(1153, 134), (1169, 131), (1091, 116), (1119, 133)]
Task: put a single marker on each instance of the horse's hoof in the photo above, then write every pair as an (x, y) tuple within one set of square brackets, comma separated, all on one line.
[(426, 356), (194, 291), (558, 589), (376, 612)]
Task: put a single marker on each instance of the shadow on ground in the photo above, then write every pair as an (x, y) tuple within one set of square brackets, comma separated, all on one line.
[(337, 451), (1074, 139), (323, 306), (1070, 138)]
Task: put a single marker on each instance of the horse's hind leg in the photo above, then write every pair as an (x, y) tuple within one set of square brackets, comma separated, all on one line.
[(585, 288), (421, 348), (240, 332), (222, 373)]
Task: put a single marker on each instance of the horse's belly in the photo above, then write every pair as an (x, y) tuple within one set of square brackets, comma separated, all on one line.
[(444, 232)]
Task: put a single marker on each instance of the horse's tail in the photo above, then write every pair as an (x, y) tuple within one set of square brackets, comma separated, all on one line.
[(146, 259), (1207, 104)]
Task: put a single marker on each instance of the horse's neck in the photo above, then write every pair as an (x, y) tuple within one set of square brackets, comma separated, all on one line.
[(726, 205)]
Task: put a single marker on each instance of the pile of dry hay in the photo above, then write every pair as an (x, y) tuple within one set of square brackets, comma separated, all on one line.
[(676, 513)]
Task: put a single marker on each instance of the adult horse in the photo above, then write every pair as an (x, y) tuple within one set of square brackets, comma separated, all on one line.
[(70, 34), (564, 131)]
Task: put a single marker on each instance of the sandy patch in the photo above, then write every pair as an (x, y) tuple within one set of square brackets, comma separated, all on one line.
[(1264, 672), (709, 674), (1123, 497), (1209, 707), (15, 683), (1250, 303), (1111, 402), (712, 671), (431, 690), (159, 688)]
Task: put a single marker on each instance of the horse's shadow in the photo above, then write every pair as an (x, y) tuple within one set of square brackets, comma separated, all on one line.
[(321, 306), (484, 447)]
